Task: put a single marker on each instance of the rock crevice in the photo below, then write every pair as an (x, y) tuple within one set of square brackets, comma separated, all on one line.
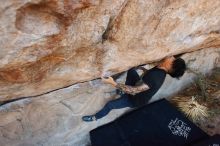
[(51, 44)]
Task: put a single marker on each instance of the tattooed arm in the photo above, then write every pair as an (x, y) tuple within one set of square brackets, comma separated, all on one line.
[(126, 88), (132, 89)]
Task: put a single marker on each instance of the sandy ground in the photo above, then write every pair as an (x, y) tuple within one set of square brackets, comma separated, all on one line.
[(211, 87)]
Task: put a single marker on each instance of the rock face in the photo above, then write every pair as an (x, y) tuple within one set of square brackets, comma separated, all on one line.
[(55, 118), (50, 44)]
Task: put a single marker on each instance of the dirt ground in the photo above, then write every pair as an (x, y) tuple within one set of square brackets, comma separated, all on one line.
[(206, 89)]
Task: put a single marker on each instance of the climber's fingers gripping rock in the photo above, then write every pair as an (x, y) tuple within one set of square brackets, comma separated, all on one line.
[(109, 80)]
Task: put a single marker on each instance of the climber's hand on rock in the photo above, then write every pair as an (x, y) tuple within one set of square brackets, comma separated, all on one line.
[(109, 80)]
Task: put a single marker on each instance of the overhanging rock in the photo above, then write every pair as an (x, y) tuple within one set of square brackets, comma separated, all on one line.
[(50, 44)]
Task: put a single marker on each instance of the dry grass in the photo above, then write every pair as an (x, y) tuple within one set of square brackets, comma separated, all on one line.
[(201, 101), (191, 108)]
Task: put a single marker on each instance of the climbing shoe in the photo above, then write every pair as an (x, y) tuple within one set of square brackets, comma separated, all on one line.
[(119, 92), (88, 118)]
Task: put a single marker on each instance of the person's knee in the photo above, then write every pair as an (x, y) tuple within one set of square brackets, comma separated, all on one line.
[(132, 69), (131, 72)]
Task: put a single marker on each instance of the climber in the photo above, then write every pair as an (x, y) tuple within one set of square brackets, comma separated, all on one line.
[(137, 90)]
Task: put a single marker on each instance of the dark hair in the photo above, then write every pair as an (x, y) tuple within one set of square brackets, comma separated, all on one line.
[(178, 68)]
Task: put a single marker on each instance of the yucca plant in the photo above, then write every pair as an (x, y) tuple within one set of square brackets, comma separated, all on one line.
[(191, 108)]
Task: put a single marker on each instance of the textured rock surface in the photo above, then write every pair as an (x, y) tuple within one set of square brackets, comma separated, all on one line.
[(55, 118), (49, 44)]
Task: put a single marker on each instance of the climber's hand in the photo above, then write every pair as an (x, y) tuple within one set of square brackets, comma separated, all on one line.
[(109, 80)]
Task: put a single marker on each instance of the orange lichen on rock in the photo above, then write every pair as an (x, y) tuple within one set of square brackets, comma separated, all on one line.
[(50, 44), (13, 76)]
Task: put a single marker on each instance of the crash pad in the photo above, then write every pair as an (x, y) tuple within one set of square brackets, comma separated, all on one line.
[(155, 124)]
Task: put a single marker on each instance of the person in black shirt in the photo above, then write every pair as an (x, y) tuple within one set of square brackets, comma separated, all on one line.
[(139, 90)]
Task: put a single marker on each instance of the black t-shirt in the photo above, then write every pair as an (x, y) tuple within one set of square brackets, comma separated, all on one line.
[(154, 78)]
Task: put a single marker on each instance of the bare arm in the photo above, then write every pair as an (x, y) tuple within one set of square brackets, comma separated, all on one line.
[(132, 89), (126, 88)]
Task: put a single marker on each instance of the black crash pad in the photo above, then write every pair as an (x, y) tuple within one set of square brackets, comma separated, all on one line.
[(156, 124), (212, 141)]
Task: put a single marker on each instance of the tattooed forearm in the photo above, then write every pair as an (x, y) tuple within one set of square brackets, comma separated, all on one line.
[(132, 89)]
